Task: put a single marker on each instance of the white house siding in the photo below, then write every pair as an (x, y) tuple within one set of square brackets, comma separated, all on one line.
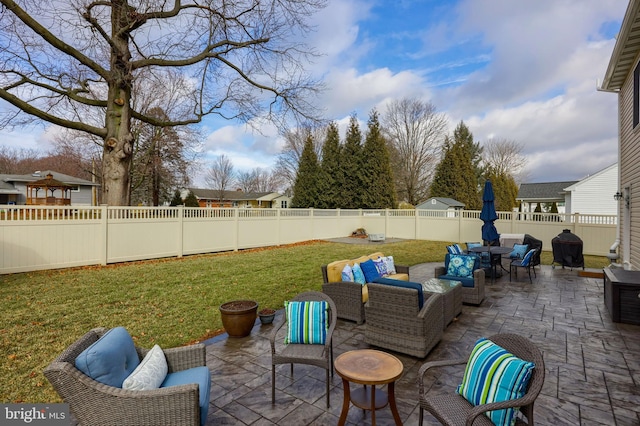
[(629, 163), (594, 194)]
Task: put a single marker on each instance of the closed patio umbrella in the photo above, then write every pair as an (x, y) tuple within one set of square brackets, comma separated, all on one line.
[(488, 215)]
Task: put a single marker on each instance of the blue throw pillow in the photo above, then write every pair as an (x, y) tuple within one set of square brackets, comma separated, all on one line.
[(358, 276), (494, 375), (307, 322), (519, 250), (347, 273), (369, 270), (461, 265)]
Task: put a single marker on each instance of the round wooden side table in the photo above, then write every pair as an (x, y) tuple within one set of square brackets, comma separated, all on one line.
[(368, 367)]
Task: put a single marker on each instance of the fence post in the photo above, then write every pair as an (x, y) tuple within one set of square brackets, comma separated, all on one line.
[(104, 224), (180, 225), (236, 212)]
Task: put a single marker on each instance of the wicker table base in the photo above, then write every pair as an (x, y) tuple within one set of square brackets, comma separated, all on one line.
[(451, 296)]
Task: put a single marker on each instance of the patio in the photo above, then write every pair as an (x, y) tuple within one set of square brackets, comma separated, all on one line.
[(592, 363)]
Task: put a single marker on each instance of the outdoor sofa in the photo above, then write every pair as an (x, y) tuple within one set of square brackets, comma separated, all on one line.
[(350, 296)]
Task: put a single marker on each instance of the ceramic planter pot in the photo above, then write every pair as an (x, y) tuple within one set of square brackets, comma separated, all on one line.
[(238, 317), (266, 315)]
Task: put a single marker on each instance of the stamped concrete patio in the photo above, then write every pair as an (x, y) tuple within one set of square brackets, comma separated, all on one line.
[(592, 377)]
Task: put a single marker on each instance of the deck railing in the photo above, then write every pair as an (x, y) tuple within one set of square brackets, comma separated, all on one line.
[(49, 237)]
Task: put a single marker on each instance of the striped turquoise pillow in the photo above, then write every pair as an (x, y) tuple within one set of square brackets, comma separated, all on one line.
[(308, 322), (495, 375)]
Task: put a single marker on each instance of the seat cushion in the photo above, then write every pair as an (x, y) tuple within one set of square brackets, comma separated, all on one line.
[(494, 375), (199, 375), (111, 359), (466, 282), (403, 284)]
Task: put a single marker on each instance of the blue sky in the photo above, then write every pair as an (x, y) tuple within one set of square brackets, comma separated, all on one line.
[(519, 70)]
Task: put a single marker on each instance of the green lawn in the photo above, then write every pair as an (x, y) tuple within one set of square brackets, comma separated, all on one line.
[(169, 302)]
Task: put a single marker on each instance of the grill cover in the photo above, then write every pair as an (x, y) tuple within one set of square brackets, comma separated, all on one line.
[(567, 250)]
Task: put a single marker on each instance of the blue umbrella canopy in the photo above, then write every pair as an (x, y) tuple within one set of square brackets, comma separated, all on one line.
[(488, 214)]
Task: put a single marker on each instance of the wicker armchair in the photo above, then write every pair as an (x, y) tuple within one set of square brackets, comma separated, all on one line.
[(94, 403), (470, 295), (454, 409), (396, 321), (348, 295), (310, 354)]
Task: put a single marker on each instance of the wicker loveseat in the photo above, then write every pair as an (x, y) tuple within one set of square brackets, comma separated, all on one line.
[(183, 397), (350, 297), (403, 318)]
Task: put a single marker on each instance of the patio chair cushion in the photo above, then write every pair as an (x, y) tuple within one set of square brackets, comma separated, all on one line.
[(369, 270), (347, 273), (200, 375), (307, 322), (111, 359), (519, 250), (461, 266), (494, 375), (358, 275), (404, 284), (150, 373)]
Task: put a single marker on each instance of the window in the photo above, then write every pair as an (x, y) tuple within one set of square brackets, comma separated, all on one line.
[(636, 95), (283, 204)]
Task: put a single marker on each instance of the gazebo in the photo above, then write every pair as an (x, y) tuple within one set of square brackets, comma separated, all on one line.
[(49, 186)]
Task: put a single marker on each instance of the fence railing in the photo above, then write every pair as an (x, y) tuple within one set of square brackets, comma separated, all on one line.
[(49, 237)]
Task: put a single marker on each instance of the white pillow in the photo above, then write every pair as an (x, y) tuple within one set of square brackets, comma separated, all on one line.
[(391, 267), (150, 373)]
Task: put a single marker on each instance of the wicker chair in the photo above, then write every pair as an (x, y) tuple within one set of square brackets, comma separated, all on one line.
[(470, 295), (293, 353), (454, 409), (396, 321), (94, 403)]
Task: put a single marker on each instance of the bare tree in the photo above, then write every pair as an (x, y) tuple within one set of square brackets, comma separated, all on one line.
[(415, 131), (258, 180), (289, 158), (504, 157), (220, 175), (61, 60)]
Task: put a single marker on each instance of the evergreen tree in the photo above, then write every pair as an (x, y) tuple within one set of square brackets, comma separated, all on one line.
[(177, 199), (455, 176), (458, 174), (191, 200), (505, 189), (331, 180), (353, 166), (305, 188), (378, 189)]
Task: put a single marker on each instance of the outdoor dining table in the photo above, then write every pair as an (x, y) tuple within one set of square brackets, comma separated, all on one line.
[(495, 253)]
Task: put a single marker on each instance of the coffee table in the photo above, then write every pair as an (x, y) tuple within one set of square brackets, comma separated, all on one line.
[(451, 297), (368, 367)]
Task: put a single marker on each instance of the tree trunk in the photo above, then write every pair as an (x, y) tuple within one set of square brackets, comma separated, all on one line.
[(118, 144)]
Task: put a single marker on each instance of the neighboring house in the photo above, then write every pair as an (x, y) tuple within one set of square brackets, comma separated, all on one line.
[(591, 195), (594, 194), (441, 203), (13, 188), (623, 77), (258, 200), (532, 194)]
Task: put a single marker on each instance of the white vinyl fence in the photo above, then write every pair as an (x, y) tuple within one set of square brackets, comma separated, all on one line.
[(39, 237)]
